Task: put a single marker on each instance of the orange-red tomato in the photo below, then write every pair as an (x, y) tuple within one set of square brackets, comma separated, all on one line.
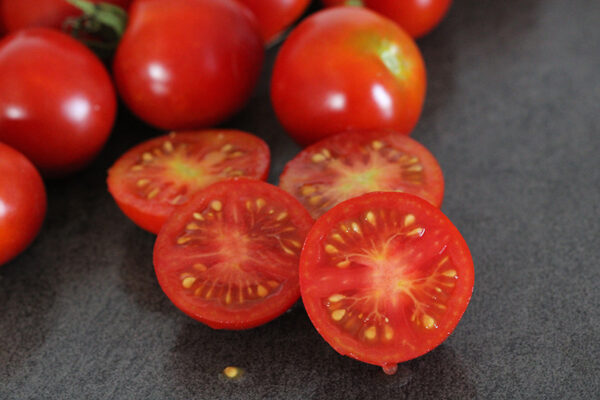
[(185, 64), (417, 17), (22, 203), (275, 15), (347, 68), (229, 257), (385, 277)]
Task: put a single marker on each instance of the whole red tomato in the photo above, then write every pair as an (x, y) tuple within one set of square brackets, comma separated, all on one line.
[(22, 203), (417, 17), (57, 103), (347, 68), (275, 15), (20, 14), (186, 64)]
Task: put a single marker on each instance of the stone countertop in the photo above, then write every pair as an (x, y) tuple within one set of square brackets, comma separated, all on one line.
[(512, 115)]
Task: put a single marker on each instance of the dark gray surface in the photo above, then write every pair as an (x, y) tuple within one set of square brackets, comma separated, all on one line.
[(513, 116)]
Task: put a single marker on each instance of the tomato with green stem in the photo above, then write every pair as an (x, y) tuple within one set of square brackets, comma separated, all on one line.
[(385, 277), (229, 257), (153, 178)]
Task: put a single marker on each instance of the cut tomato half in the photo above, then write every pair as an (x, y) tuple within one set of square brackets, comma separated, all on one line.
[(351, 164), (385, 277), (154, 177), (229, 258)]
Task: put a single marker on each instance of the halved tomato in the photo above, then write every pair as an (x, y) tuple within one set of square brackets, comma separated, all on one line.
[(154, 177), (351, 164), (385, 277), (229, 258)]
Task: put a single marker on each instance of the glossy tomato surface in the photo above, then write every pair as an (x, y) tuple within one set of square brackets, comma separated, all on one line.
[(153, 178), (229, 258), (385, 277), (351, 164), (22, 203), (347, 68), (417, 17), (20, 14), (57, 102), (275, 15), (186, 64)]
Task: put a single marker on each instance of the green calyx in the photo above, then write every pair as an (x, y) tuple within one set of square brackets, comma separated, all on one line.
[(388, 52), (100, 26), (357, 3)]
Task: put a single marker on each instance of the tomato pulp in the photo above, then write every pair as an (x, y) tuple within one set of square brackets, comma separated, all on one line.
[(188, 64), (156, 176), (229, 258), (317, 92), (22, 203), (385, 277), (351, 164), (57, 103)]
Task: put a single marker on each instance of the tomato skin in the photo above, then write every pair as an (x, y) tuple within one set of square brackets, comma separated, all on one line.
[(57, 104), (416, 17), (188, 64), (275, 15), (151, 214), (367, 75), (404, 255), (21, 14), (22, 203), (263, 257)]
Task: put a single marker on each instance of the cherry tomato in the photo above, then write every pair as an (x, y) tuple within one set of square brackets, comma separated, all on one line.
[(417, 17), (229, 258), (21, 14), (275, 15), (154, 177), (57, 103), (385, 277), (350, 164), (22, 203), (188, 64), (367, 75)]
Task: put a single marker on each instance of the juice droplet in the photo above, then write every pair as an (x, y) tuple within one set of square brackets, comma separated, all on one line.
[(390, 369)]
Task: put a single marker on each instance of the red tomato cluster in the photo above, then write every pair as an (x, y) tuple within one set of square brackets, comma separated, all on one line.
[(355, 226)]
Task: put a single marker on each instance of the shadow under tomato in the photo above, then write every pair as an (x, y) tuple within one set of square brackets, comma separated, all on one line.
[(288, 359)]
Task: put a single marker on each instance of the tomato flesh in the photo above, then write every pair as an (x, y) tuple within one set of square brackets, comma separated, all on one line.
[(229, 258), (153, 178), (351, 164), (385, 277)]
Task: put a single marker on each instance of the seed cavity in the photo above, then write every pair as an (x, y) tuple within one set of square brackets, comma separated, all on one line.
[(337, 315)]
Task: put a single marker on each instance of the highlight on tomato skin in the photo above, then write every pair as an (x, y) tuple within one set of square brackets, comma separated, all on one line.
[(153, 178), (229, 257), (354, 163), (385, 277)]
